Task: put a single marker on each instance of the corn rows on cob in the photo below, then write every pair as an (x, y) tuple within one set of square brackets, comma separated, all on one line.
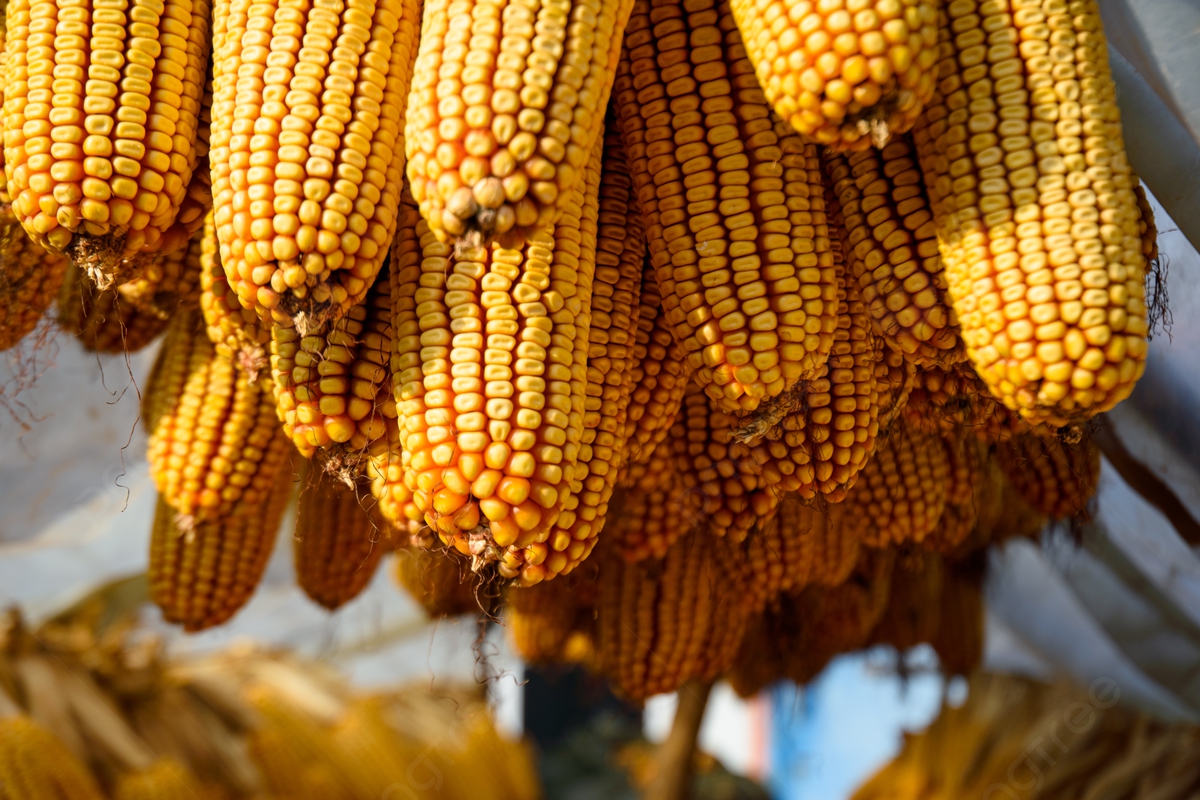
[(969, 488), (491, 429), (955, 401), (29, 280), (169, 282), (1044, 244), (662, 622), (102, 109), (733, 203), (235, 332), (846, 74), (648, 513), (339, 539), (1055, 478), (893, 251), (100, 319), (35, 765), (386, 475), (442, 583), (498, 148), (914, 606), (553, 621)]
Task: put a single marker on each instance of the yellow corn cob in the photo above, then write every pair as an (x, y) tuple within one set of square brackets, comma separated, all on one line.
[(552, 622), (725, 483), (332, 389), (660, 623), (968, 487), (836, 548), (295, 753), (442, 583), (307, 149), (373, 757), (913, 612), (101, 108), (647, 514), (1056, 478), (499, 149), (901, 492), (5, 197), (29, 280), (959, 638), (620, 255), (166, 779), (385, 471), (846, 74), (956, 401), (491, 428), (101, 320), (893, 251), (1042, 237), (169, 282), (235, 332), (198, 202), (338, 540), (894, 380), (214, 444), (735, 217), (35, 765)]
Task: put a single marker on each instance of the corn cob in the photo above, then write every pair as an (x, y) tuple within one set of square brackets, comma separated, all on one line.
[(166, 779), (235, 332), (488, 486), (1056, 478), (901, 492), (169, 282), (660, 623), (386, 473), (745, 271), (307, 150), (620, 255), (894, 380), (100, 320), (724, 480), (29, 280), (552, 622), (956, 401), (441, 583), (338, 540), (93, 171), (959, 638), (893, 251), (483, 157), (647, 514), (214, 444), (35, 765), (332, 389), (847, 75), (373, 757), (5, 197), (968, 487), (295, 753), (913, 612), (1042, 238)]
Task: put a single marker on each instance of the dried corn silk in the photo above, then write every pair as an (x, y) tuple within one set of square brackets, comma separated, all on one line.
[(101, 320)]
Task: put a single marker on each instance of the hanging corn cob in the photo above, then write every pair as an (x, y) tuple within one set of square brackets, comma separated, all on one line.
[(441, 582), (294, 753), (29, 280), (96, 171), (553, 622), (893, 251), (100, 319), (913, 612), (956, 401), (971, 486), (735, 218), (846, 74), (1042, 238), (339, 539), (660, 623), (35, 765), (1056, 478), (959, 639), (647, 514), (235, 332), (491, 429), (500, 149), (308, 155), (169, 283)]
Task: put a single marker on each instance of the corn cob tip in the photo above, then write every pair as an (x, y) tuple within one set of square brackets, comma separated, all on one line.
[(103, 259)]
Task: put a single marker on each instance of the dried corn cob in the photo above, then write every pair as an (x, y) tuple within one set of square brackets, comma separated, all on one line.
[(660, 623), (338, 541), (29, 280), (169, 282), (214, 444), (99, 318), (735, 217), (913, 612), (968, 486), (956, 401), (1042, 237), (836, 548), (500, 149), (959, 639), (295, 753), (1056, 478), (385, 471), (95, 171), (845, 74), (333, 392), (490, 441), (235, 332), (901, 492), (894, 380), (552, 622), (35, 765), (647, 514), (724, 480), (167, 779), (308, 154), (441, 582), (198, 202), (893, 251)]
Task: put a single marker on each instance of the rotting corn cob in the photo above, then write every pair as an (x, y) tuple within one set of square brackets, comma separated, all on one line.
[(647, 513), (552, 622), (913, 612), (169, 282), (901, 492), (101, 321), (214, 443), (96, 171), (202, 576), (442, 582), (620, 256), (846, 74), (339, 539), (959, 638), (30, 280), (499, 149), (35, 765), (333, 391), (1042, 238), (893, 251), (1056, 478), (307, 150), (491, 428), (166, 779), (735, 216), (724, 480), (968, 484), (236, 333), (660, 623)]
